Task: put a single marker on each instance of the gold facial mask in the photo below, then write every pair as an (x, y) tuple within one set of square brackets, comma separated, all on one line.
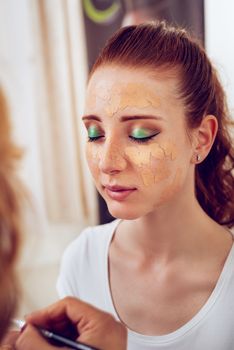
[(172, 188), (132, 95), (117, 98), (144, 157), (95, 155)]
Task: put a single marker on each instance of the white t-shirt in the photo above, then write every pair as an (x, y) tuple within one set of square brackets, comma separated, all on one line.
[(84, 274)]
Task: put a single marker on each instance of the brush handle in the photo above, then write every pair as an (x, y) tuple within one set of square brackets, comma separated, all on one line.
[(65, 341)]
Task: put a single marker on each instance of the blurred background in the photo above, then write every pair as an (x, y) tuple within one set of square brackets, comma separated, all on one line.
[(47, 48)]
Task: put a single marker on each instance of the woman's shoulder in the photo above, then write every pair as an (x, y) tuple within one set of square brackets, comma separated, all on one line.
[(99, 232), (90, 238)]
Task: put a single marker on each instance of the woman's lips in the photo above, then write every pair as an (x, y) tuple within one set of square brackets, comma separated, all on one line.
[(118, 193)]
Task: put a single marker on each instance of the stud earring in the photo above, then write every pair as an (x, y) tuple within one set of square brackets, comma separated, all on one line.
[(198, 157)]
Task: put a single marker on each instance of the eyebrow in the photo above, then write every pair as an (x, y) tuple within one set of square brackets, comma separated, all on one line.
[(91, 117), (124, 118)]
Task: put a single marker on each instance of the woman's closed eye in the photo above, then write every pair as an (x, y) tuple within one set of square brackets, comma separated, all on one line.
[(142, 135), (139, 135), (93, 133)]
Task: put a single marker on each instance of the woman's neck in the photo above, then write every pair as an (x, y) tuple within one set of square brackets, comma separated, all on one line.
[(164, 235)]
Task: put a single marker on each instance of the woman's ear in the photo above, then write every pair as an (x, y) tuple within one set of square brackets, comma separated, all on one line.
[(204, 138)]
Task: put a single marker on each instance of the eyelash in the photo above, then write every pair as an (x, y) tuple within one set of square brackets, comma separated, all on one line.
[(138, 140), (93, 139), (143, 139)]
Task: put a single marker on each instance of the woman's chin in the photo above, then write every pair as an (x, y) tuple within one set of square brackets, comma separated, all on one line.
[(124, 213)]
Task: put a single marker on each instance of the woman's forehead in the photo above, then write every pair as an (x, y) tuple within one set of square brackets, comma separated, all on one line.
[(123, 87)]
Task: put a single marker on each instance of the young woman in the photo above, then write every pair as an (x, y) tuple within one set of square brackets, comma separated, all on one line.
[(160, 153)]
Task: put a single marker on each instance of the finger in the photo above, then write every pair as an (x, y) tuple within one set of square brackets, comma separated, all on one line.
[(10, 339), (61, 317), (30, 339), (53, 313), (66, 310), (108, 334)]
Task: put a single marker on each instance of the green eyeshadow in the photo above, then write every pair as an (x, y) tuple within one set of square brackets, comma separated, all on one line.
[(93, 131), (140, 133)]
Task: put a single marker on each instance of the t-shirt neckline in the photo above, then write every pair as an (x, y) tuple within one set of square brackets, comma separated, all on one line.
[(188, 326)]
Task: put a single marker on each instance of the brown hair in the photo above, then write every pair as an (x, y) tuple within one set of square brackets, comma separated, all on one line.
[(10, 225), (157, 45)]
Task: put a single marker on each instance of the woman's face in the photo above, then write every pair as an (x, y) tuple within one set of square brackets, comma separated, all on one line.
[(138, 150)]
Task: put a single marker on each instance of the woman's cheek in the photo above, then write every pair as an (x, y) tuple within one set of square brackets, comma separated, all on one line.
[(167, 178), (93, 157), (153, 162), (155, 172), (173, 187)]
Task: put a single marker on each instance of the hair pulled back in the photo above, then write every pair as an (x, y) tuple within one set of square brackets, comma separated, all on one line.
[(156, 45)]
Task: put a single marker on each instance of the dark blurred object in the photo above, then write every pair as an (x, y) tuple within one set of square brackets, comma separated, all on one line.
[(103, 17), (186, 13)]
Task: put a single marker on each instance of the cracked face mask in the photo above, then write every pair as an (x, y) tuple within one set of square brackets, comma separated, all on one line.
[(118, 98), (136, 138)]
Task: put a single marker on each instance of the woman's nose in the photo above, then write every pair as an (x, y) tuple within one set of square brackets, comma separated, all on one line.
[(112, 159)]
